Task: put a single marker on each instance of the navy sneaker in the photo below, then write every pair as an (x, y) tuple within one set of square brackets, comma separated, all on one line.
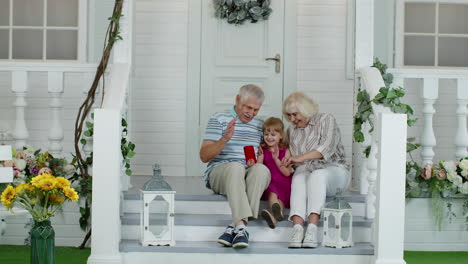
[(241, 239), (226, 238)]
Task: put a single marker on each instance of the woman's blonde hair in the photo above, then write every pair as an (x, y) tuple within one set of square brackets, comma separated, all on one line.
[(298, 102), (277, 125)]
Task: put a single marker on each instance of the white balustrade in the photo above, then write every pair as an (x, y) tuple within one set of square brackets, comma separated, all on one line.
[(461, 137), (55, 87), (20, 88), (428, 141), (372, 81)]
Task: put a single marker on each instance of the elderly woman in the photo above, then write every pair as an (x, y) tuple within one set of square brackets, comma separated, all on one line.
[(319, 158)]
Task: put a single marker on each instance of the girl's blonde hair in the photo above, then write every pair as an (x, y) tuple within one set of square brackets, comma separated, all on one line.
[(277, 125), (298, 102)]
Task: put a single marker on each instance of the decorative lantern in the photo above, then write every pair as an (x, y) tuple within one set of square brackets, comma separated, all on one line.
[(337, 223), (157, 211), (6, 173)]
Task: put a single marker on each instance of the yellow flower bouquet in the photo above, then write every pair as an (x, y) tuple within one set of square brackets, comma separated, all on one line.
[(42, 197)]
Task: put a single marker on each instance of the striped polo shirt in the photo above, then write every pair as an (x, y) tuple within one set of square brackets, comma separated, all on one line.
[(245, 134)]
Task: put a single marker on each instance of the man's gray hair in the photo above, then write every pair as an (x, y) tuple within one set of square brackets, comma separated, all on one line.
[(251, 91)]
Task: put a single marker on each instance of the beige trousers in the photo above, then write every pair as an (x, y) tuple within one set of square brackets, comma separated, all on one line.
[(243, 187)]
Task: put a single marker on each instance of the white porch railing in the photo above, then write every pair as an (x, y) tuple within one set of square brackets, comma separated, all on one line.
[(19, 73), (430, 93), (108, 176), (385, 174)]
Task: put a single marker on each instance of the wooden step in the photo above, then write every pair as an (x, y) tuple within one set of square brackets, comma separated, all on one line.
[(218, 204), (202, 227), (257, 252)]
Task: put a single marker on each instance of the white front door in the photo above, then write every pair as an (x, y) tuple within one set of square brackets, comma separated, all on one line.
[(234, 55)]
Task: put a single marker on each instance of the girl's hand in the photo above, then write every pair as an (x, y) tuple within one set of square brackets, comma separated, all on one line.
[(260, 155), (250, 163), (275, 153)]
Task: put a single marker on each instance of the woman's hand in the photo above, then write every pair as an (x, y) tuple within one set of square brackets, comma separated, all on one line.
[(293, 160), (250, 163)]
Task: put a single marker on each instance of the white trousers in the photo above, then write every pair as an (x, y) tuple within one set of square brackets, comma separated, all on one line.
[(309, 189)]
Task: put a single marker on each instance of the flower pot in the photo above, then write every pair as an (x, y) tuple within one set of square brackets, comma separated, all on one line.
[(42, 243)]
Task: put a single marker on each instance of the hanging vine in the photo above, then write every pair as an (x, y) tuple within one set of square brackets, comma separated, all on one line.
[(81, 161)]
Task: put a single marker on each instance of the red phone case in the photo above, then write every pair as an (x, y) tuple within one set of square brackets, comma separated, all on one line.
[(249, 152)]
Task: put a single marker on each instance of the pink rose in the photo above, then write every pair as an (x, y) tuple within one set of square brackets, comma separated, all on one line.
[(20, 155), (8, 163), (44, 170), (441, 175), (427, 172)]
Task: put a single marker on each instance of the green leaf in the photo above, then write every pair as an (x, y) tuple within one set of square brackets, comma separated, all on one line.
[(391, 94), (128, 172), (83, 141), (89, 124), (358, 136), (130, 154), (367, 151), (87, 133)]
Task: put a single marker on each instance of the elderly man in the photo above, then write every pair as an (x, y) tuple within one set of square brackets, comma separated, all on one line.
[(227, 172)]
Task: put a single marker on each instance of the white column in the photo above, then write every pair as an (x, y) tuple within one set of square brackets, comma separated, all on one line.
[(428, 141), (389, 224), (20, 88), (461, 137), (106, 228), (364, 40), (55, 88), (364, 57)]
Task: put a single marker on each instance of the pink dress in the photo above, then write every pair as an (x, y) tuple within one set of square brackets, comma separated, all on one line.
[(279, 184)]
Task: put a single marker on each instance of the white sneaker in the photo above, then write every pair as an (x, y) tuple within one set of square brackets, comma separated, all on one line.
[(296, 237), (311, 237)]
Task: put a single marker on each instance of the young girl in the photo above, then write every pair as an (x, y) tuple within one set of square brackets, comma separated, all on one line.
[(272, 152)]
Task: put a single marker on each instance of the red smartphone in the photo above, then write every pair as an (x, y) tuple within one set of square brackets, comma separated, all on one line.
[(249, 152)]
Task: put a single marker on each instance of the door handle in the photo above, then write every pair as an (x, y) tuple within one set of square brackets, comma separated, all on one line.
[(277, 60)]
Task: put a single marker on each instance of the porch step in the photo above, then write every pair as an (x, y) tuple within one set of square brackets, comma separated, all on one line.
[(218, 204), (202, 227), (254, 247), (257, 252)]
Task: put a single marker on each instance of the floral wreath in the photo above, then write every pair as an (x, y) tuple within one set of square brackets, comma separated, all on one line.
[(238, 11)]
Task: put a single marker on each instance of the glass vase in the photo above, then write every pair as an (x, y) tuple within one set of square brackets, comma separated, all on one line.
[(42, 243)]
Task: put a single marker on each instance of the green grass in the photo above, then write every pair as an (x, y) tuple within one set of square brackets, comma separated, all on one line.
[(67, 255), (20, 255), (431, 257)]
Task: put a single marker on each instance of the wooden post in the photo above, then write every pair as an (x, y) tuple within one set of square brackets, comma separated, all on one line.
[(389, 225)]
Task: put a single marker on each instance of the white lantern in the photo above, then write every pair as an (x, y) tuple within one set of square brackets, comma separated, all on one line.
[(6, 173), (157, 212), (337, 224)]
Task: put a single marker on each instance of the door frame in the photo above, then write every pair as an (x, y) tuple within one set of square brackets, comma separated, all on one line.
[(289, 57)]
